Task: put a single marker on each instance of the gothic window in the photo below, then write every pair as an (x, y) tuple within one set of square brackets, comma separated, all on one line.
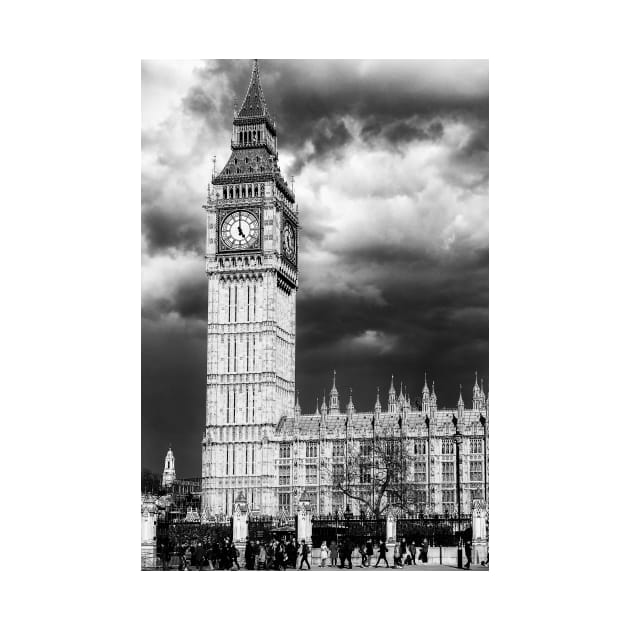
[(285, 450), (284, 499), (225, 193), (284, 475), (337, 502), (421, 499), (476, 493), (364, 474), (448, 471), (258, 158), (311, 449), (419, 447), (365, 449), (235, 161), (448, 500), (238, 170), (338, 449), (476, 446), (420, 472), (448, 447), (251, 170), (337, 474), (246, 160), (475, 471), (311, 475)]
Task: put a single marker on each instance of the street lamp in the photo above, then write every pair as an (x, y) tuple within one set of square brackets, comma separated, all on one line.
[(458, 441)]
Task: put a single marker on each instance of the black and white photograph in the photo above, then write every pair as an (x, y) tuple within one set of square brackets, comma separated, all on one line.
[(315, 386)]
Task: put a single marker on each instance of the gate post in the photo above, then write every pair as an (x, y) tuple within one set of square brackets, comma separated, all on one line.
[(390, 532), (239, 519), (149, 534), (304, 520), (479, 532)]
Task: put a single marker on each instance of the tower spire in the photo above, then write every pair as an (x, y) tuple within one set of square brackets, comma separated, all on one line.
[(254, 104)]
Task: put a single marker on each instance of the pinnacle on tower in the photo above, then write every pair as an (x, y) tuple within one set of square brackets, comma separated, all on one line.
[(317, 406), (377, 404), (350, 407), (425, 389), (460, 402), (254, 104), (334, 389), (298, 409), (392, 389), (433, 396)]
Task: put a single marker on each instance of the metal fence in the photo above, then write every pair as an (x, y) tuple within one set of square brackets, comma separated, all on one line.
[(440, 531), (356, 528)]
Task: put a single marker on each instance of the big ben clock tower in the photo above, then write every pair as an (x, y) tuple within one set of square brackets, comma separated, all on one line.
[(252, 270)]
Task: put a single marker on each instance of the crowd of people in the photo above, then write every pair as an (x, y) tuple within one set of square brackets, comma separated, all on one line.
[(223, 555), (280, 555)]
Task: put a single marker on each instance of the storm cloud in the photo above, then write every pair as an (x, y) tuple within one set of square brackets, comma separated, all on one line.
[(390, 160)]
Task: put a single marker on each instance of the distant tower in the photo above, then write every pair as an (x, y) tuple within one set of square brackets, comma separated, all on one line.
[(460, 405), (334, 397), (377, 404), (425, 397), (168, 476), (433, 399), (479, 398), (350, 407), (391, 402)]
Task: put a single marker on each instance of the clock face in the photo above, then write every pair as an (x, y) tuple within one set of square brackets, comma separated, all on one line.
[(288, 241), (239, 230)]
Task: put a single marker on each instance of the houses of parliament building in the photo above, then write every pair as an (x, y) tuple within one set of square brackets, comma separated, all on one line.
[(256, 440)]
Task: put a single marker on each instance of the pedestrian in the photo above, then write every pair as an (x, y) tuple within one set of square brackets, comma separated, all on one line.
[(261, 559), (250, 555), (280, 562), (397, 557), (234, 554), (369, 551), (165, 557), (304, 555), (199, 556), (468, 551), (364, 557), (333, 553), (403, 551), (323, 554), (412, 552), (382, 554), (424, 552), (346, 552)]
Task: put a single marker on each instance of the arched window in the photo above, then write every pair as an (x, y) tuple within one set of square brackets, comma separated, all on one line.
[(231, 192), (246, 160), (225, 193)]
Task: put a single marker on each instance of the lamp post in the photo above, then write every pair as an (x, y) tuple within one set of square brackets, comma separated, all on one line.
[(458, 441)]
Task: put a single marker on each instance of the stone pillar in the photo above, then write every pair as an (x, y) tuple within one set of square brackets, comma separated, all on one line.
[(148, 535), (239, 519), (390, 532), (304, 521), (479, 532)]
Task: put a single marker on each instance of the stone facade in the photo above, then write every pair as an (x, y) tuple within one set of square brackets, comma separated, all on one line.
[(256, 440)]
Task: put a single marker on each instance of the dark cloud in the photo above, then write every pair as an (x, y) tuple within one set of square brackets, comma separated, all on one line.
[(401, 299)]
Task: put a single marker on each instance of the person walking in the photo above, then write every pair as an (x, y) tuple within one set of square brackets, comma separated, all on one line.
[(412, 552), (304, 555), (199, 556), (397, 559), (468, 551), (369, 551), (347, 552), (424, 553), (333, 553), (165, 557), (261, 558), (403, 551), (382, 554), (234, 554), (323, 554), (364, 556)]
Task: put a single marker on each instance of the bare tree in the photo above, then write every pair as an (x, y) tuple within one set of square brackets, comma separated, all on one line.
[(375, 473)]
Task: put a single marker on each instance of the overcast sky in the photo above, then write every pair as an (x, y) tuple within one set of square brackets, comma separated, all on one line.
[(390, 160)]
